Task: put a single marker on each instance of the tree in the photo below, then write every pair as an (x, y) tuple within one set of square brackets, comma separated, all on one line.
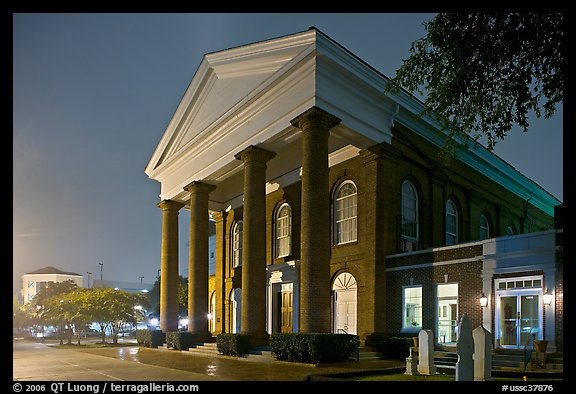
[(481, 73), (154, 296), (39, 306), (71, 310), (113, 308)]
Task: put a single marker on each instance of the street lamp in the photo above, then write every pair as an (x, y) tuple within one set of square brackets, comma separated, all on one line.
[(101, 268), (141, 278), (89, 273)]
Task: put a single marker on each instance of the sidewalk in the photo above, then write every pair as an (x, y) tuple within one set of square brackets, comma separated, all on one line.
[(36, 361)]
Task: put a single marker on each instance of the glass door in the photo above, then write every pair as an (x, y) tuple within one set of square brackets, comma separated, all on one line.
[(519, 319)]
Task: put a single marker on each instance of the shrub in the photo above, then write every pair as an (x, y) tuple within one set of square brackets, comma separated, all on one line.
[(179, 340), (396, 347), (314, 347), (150, 338), (233, 344)]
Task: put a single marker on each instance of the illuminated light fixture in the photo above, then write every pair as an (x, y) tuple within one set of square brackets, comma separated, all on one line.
[(484, 301), (547, 297)]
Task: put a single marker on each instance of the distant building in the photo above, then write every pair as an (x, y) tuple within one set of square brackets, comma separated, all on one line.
[(131, 287), (33, 282)]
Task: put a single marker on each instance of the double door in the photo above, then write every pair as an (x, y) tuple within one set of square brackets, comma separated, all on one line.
[(519, 318)]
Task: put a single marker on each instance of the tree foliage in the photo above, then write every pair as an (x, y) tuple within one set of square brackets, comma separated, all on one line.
[(63, 304), (154, 296), (483, 73)]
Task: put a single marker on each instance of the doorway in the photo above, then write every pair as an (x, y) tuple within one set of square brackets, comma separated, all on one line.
[(345, 302)]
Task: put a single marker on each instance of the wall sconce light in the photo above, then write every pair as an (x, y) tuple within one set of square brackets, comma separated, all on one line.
[(484, 301), (547, 297)]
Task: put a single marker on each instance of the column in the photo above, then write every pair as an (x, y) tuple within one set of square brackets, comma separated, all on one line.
[(169, 266), (254, 242), (198, 259), (315, 220)]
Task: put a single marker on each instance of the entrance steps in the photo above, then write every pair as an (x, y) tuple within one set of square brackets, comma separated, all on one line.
[(508, 360), (211, 349)]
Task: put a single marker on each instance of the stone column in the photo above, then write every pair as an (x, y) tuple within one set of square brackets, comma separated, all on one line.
[(254, 242), (315, 220), (169, 266), (198, 259)]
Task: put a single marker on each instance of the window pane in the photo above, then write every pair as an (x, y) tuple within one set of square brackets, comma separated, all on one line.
[(412, 315), (283, 231), (237, 244), (451, 223), (345, 214), (484, 228)]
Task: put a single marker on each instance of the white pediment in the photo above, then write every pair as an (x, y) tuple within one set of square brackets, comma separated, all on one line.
[(224, 83)]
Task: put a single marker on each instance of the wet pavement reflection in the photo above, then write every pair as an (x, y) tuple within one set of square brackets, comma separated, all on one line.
[(230, 368)]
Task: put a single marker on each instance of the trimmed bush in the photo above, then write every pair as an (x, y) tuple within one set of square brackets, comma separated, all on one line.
[(396, 347), (233, 344), (150, 338), (314, 347), (179, 340)]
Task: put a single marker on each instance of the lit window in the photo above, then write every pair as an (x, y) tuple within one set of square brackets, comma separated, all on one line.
[(31, 284), (345, 213), (484, 227), (237, 244), (412, 307), (409, 217), (283, 231), (451, 223)]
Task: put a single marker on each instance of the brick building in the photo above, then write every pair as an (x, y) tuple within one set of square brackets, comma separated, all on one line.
[(332, 210)]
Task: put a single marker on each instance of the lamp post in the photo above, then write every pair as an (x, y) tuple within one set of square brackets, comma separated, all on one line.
[(141, 278), (101, 269), (89, 273)]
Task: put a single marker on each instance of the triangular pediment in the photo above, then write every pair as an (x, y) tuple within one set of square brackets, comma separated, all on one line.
[(225, 81)]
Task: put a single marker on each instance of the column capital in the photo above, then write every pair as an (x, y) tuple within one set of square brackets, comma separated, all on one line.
[(254, 153), (315, 117), (168, 205), (199, 187), (219, 216)]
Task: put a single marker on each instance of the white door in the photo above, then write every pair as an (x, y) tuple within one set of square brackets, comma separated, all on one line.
[(345, 302)]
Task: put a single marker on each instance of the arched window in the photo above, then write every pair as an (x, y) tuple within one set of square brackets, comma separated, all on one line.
[(345, 213), (510, 230), (237, 244), (409, 217), (284, 231), (484, 227), (451, 223)]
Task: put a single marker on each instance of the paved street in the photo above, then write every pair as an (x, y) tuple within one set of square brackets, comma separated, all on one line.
[(43, 362)]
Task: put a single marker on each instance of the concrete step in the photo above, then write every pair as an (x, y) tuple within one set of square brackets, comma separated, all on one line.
[(512, 361)]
